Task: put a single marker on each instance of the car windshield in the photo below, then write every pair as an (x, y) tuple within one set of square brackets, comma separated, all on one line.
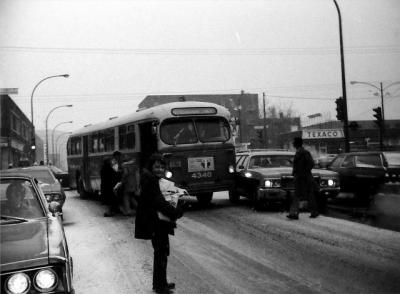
[(368, 160), (44, 176), (188, 131), (393, 158), (18, 200), (265, 161)]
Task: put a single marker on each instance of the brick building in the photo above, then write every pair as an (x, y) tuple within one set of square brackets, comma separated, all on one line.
[(16, 135)]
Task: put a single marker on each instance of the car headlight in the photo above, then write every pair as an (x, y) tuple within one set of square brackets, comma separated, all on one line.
[(272, 183), (328, 183), (268, 183), (45, 280), (49, 197), (168, 174), (247, 175), (18, 284)]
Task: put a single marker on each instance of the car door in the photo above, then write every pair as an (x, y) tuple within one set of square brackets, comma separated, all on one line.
[(347, 172)]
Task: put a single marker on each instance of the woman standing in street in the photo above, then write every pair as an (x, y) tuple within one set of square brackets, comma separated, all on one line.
[(148, 226)]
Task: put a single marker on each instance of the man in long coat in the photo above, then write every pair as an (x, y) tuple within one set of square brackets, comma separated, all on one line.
[(304, 183)]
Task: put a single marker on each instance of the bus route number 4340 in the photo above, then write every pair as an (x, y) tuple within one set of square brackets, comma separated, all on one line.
[(199, 175)]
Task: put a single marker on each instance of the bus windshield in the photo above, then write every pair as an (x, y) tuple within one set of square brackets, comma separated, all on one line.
[(189, 131)]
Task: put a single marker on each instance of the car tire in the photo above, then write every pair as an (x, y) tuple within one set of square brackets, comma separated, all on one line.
[(204, 198), (234, 196)]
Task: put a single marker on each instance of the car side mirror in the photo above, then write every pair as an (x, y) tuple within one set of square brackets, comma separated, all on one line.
[(54, 207)]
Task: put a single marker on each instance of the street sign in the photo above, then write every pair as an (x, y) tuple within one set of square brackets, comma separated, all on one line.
[(323, 134)]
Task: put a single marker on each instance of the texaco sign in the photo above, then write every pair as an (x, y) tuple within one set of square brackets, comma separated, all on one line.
[(323, 134)]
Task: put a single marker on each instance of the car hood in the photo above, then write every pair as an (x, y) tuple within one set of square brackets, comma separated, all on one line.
[(30, 243), (287, 171), (273, 171)]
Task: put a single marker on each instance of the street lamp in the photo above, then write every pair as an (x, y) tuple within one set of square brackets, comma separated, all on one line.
[(47, 139), (380, 89), (33, 143), (59, 152), (52, 135)]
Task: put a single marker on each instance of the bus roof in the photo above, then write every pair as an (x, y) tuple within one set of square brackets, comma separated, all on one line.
[(157, 112)]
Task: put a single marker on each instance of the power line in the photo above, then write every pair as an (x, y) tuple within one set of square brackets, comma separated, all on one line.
[(390, 49)]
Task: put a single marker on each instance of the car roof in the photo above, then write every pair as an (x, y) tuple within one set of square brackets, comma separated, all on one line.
[(13, 174), (361, 153), (29, 168), (271, 152)]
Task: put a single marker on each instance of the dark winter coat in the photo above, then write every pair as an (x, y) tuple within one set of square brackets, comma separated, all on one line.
[(109, 178), (150, 201), (302, 164), (303, 180)]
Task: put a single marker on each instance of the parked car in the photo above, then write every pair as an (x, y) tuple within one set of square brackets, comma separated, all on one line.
[(324, 160), (61, 176), (266, 177), (50, 185), (393, 166), (34, 251), (361, 173)]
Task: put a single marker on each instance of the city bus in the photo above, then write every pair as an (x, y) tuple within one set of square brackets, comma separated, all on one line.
[(195, 139)]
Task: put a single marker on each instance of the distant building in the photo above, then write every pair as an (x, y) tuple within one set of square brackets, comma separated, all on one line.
[(16, 135), (243, 108), (328, 137)]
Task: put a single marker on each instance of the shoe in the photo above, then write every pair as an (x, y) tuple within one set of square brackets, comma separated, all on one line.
[(164, 290), (171, 286), (314, 215), (292, 216)]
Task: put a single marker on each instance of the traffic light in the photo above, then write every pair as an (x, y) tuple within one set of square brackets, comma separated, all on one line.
[(340, 109), (378, 116)]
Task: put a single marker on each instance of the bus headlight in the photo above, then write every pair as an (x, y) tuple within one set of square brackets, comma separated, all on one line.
[(18, 284), (168, 174), (331, 183), (248, 175), (45, 280), (231, 169)]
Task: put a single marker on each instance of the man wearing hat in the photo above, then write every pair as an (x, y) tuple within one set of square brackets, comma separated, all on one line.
[(303, 181)]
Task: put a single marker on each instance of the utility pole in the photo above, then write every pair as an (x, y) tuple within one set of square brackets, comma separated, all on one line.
[(345, 119), (265, 123), (382, 137)]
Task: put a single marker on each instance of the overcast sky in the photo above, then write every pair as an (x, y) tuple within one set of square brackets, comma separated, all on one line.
[(118, 52)]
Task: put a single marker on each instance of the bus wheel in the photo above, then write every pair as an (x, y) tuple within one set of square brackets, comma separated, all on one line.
[(204, 198), (234, 196)]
